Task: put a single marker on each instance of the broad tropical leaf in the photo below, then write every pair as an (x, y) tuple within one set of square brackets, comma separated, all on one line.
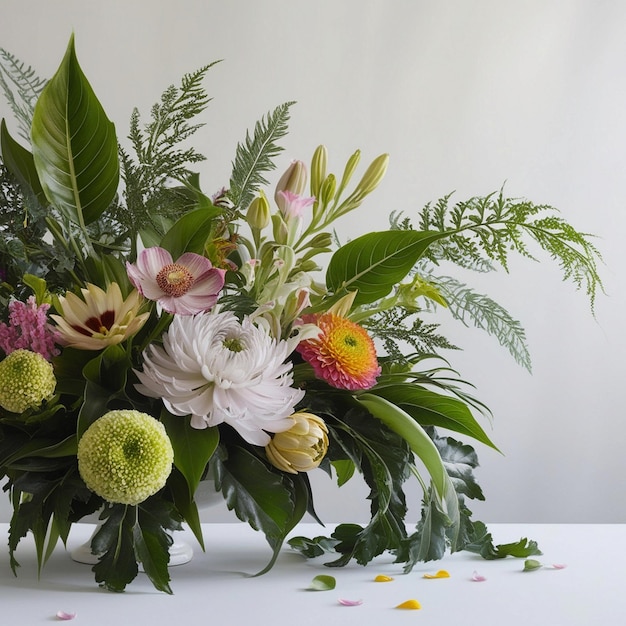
[(74, 145), (434, 409), (372, 264)]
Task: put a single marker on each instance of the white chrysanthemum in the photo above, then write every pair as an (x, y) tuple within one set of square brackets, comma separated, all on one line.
[(217, 369)]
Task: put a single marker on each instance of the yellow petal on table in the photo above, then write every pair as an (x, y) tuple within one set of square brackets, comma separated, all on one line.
[(381, 578), (409, 604), (442, 573)]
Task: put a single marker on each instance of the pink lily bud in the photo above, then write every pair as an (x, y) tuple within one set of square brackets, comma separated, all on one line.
[(293, 180)]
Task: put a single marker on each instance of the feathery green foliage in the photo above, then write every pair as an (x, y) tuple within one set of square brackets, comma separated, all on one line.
[(485, 230), (399, 325), (21, 87), (483, 312), (255, 156), (159, 157)]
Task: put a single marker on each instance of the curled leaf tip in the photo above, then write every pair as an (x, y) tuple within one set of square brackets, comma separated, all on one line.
[(381, 578), (531, 565), (442, 573), (409, 604), (64, 615), (476, 577), (345, 602)]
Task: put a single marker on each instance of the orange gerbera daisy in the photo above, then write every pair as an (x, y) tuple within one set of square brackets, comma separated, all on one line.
[(343, 354)]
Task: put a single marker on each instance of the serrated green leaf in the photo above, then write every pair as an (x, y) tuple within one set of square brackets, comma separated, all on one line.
[(74, 145), (344, 469), (373, 263), (259, 496), (322, 582)]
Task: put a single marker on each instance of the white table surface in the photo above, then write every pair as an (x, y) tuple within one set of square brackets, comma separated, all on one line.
[(213, 587)]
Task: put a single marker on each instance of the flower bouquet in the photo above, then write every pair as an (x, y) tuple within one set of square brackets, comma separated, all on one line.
[(154, 337)]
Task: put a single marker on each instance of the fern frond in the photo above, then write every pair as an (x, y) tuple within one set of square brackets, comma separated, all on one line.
[(483, 231), (21, 87), (399, 325), (254, 157), (482, 312), (159, 158)]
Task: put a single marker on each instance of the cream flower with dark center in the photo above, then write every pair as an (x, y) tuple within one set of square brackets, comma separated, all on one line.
[(98, 319)]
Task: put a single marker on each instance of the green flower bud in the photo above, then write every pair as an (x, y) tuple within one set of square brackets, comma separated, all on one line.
[(329, 186), (26, 380), (351, 166), (259, 214), (302, 447), (318, 169), (373, 175), (125, 456)]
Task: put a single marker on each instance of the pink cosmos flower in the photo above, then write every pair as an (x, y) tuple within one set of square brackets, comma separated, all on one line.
[(185, 287)]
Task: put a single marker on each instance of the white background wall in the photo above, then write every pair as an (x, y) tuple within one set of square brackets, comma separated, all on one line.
[(464, 96)]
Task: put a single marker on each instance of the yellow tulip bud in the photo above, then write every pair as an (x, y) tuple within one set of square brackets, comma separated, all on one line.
[(258, 215), (294, 180), (302, 447)]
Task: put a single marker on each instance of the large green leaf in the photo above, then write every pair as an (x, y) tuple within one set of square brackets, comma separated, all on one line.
[(372, 264), (423, 447), (434, 409), (259, 496), (19, 161), (193, 447), (74, 145), (190, 232)]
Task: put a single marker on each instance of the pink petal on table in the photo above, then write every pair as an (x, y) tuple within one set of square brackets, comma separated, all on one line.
[(559, 565), (345, 602), (65, 616), (476, 577)]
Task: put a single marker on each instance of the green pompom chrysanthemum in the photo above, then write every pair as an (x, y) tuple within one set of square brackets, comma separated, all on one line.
[(125, 456), (26, 380)]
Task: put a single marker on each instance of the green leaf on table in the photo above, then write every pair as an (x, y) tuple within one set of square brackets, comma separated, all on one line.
[(372, 264), (480, 541), (322, 582), (311, 548), (74, 145), (530, 565)]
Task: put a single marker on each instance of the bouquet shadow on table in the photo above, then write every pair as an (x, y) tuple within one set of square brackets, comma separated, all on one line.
[(153, 335)]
